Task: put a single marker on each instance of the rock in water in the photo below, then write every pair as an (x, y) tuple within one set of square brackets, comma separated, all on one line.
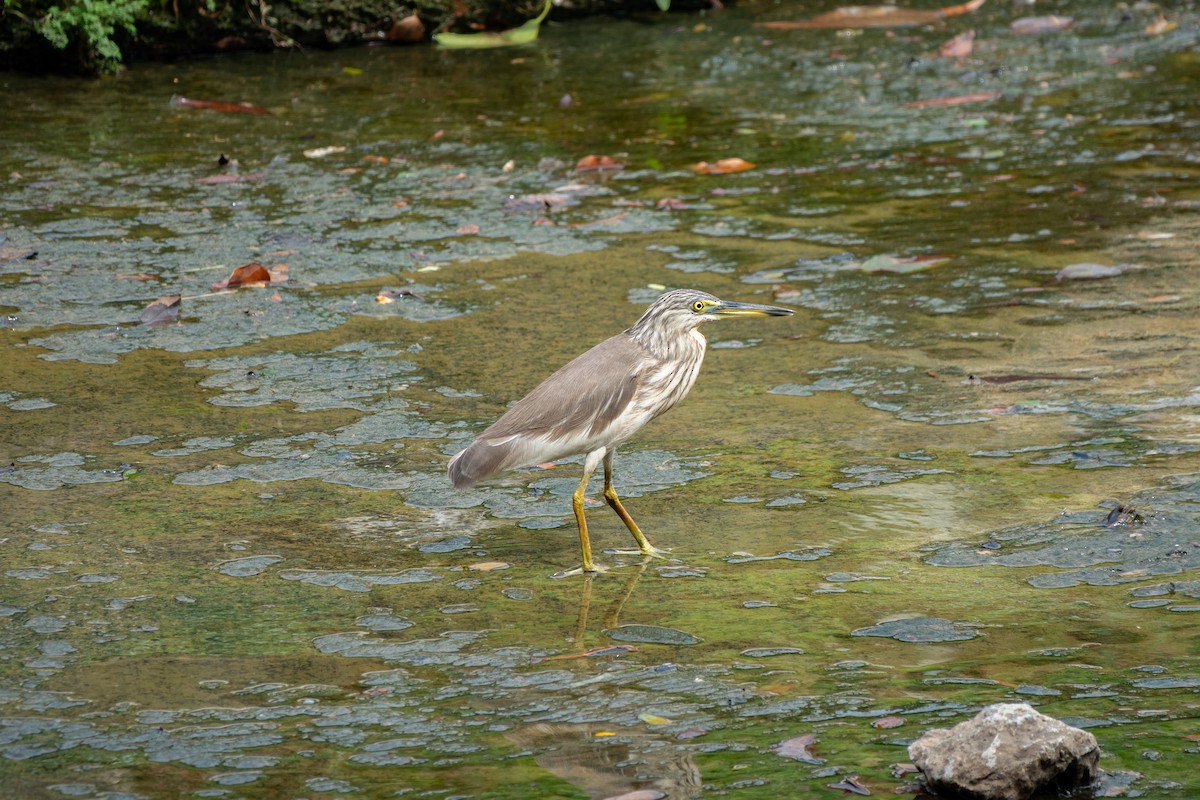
[(1008, 751)]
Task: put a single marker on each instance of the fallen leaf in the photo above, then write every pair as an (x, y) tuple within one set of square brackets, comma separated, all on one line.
[(321, 152), (162, 311), (489, 566), (1089, 272), (855, 17), (217, 105), (798, 749), (523, 34), (957, 100), (653, 719), (376, 159), (406, 31), (1192, 737), (539, 202), (245, 274), (594, 163), (894, 264), (726, 166), (466, 229), (609, 650), (958, 47), (232, 177), (639, 794), (1032, 26), (887, 722), (1159, 26), (352, 70), (851, 783)]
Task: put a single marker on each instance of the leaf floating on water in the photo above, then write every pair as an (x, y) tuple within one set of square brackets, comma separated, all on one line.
[(885, 263), (1159, 26), (639, 794), (540, 203), (594, 163), (1032, 26), (229, 177), (957, 100), (851, 783), (1089, 272), (245, 274), (216, 105), (523, 34), (855, 17), (162, 311), (321, 152), (798, 748), (726, 166), (653, 719), (489, 566), (888, 722), (610, 650), (958, 47), (651, 634)]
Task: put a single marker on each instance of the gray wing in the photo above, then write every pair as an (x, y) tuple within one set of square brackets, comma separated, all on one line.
[(574, 404)]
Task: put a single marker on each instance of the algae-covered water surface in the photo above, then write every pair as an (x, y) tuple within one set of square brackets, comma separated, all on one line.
[(966, 471)]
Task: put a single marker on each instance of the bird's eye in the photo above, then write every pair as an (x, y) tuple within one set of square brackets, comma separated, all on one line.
[(698, 306)]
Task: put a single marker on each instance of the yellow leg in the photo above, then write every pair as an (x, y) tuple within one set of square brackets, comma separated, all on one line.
[(614, 502), (585, 544)]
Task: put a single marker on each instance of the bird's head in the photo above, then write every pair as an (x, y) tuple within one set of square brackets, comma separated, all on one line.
[(676, 313)]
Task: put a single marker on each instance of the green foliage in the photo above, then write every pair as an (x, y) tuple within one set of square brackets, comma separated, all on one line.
[(87, 26)]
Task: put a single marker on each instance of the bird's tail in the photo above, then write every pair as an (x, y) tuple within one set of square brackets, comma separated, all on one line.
[(482, 459)]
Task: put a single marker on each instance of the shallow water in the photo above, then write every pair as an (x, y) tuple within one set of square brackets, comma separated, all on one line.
[(233, 567)]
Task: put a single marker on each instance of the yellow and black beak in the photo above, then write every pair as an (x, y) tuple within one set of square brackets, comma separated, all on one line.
[(730, 308)]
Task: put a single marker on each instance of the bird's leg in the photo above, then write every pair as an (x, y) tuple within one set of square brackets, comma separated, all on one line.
[(614, 502), (585, 544)]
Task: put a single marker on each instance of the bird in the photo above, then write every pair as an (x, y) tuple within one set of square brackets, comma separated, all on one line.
[(600, 399)]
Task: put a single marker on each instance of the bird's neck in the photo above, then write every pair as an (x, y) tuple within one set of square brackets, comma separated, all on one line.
[(670, 345)]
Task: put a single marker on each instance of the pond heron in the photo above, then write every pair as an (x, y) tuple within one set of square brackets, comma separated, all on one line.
[(599, 400)]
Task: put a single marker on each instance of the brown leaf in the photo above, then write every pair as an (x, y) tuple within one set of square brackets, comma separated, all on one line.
[(216, 105), (162, 311), (246, 273), (1032, 26), (597, 163), (726, 166), (958, 47), (958, 100), (229, 177), (1159, 26), (798, 748), (855, 17), (488, 566), (406, 31), (851, 783), (890, 721)]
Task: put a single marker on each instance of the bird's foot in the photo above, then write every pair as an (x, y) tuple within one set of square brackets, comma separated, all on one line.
[(649, 552), (595, 569)]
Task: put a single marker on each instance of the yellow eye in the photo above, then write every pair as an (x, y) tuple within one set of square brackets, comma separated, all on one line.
[(698, 306)]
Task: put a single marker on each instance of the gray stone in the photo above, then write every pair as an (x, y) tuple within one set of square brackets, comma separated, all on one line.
[(1008, 751)]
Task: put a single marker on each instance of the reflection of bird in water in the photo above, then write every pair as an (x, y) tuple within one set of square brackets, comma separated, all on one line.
[(599, 400), (610, 766)]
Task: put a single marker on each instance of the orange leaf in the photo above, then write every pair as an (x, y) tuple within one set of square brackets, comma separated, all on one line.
[(889, 16), (597, 163), (958, 47), (726, 166), (246, 273), (958, 100)]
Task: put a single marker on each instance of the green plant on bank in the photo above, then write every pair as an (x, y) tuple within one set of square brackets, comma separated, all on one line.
[(88, 26)]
